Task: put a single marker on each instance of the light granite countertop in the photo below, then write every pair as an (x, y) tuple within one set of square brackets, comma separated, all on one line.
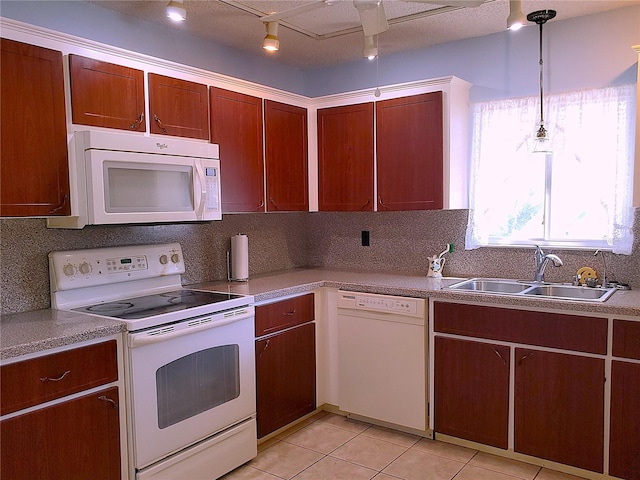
[(37, 330), (30, 332), (290, 282)]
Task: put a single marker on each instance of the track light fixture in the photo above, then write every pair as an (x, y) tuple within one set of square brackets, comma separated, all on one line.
[(542, 143), (271, 42), (175, 11), (370, 48), (516, 19)]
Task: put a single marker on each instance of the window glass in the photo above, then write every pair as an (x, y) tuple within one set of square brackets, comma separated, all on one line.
[(580, 195)]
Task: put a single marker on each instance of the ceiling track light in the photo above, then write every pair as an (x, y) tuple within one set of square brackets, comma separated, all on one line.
[(542, 143), (271, 43), (175, 11), (370, 47), (516, 19)]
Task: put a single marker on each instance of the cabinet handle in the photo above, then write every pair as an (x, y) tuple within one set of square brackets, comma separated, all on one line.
[(381, 203), (261, 206), (275, 205), (365, 204), (65, 200), (500, 355), (524, 357), (159, 122), (137, 121), (266, 345), (104, 398), (289, 314), (48, 379)]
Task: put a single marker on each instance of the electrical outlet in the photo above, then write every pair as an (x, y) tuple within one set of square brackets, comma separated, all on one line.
[(366, 241)]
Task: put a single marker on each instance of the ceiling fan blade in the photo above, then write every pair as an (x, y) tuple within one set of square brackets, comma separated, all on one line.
[(451, 3), (307, 7), (372, 16)]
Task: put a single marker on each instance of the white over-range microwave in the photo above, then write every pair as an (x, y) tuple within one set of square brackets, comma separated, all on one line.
[(119, 178)]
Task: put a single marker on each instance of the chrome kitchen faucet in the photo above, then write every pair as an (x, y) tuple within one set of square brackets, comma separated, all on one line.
[(541, 263)]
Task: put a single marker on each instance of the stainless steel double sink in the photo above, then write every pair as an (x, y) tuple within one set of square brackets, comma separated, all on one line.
[(531, 289)]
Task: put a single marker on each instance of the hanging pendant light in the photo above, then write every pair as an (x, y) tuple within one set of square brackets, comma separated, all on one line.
[(542, 143)]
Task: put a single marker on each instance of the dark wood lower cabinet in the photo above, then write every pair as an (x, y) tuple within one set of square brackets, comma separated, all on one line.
[(286, 377), (559, 407), (77, 439), (624, 450), (472, 391)]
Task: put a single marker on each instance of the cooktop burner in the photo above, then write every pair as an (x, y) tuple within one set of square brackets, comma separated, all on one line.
[(157, 304)]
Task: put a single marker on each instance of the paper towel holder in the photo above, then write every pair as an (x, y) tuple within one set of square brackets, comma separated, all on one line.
[(231, 270)]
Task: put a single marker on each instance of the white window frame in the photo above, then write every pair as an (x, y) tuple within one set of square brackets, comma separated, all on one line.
[(504, 131)]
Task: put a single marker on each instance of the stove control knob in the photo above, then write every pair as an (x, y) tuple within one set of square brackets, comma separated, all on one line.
[(69, 270), (164, 259), (85, 268), (175, 258)]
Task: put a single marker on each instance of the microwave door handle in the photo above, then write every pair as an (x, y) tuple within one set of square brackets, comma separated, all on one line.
[(203, 191)]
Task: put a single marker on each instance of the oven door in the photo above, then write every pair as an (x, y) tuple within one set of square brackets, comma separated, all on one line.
[(189, 381)]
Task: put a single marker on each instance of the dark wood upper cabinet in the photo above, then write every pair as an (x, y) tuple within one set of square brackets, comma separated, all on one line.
[(178, 107), (286, 157), (345, 158), (34, 178), (236, 125), (106, 95), (410, 153)]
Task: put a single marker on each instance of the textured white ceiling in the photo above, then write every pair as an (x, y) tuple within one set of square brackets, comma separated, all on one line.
[(332, 34)]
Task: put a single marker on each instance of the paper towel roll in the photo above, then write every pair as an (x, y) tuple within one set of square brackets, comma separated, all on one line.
[(240, 257)]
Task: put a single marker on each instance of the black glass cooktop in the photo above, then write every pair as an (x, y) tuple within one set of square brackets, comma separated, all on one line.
[(158, 304)]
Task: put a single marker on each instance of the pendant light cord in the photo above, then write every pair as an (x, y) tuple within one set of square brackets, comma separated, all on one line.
[(541, 78)]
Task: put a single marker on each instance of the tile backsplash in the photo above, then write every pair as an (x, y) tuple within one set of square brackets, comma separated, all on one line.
[(276, 242), (399, 241)]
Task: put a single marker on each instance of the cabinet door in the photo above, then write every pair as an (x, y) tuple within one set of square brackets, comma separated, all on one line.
[(286, 157), (409, 152), (624, 453), (106, 95), (472, 391), (285, 377), (345, 158), (34, 173), (178, 107), (559, 408), (236, 125), (74, 440)]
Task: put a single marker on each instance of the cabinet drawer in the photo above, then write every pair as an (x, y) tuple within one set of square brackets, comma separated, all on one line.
[(284, 314), (626, 339), (38, 380), (553, 330)]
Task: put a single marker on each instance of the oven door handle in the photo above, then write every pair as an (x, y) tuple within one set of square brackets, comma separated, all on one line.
[(170, 332)]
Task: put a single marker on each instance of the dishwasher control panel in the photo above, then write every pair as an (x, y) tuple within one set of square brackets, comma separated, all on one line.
[(381, 303)]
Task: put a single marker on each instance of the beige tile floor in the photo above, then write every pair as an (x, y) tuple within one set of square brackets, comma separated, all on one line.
[(329, 446)]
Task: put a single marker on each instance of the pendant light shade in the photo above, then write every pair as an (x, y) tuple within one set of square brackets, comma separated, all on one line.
[(542, 143)]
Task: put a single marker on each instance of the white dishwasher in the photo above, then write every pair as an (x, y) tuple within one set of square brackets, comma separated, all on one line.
[(382, 358)]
